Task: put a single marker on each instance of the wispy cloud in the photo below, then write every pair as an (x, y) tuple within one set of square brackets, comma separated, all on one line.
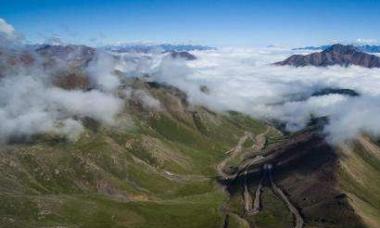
[(7, 33)]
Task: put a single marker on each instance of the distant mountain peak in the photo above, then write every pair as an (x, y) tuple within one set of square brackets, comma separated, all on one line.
[(182, 54), (337, 54), (342, 49), (369, 48)]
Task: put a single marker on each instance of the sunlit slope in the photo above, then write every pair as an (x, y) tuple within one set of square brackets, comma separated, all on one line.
[(360, 177), (154, 168)]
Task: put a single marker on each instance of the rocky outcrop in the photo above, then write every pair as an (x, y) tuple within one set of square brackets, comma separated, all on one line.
[(182, 54), (70, 55)]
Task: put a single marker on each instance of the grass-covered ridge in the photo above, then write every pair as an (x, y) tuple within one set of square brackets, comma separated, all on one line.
[(359, 177)]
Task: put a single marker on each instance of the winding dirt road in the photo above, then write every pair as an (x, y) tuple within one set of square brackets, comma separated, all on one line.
[(248, 201), (234, 152), (260, 141), (257, 202), (258, 162), (298, 218)]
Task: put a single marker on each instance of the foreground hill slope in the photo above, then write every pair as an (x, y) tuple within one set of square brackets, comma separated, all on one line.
[(159, 166), (155, 168)]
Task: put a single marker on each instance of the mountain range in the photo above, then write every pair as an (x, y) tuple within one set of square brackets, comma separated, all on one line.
[(144, 48), (179, 164)]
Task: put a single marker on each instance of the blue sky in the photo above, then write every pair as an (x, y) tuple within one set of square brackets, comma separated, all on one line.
[(218, 22)]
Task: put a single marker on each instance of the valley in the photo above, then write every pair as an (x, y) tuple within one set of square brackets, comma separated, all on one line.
[(189, 114), (184, 165), (159, 171), (141, 152)]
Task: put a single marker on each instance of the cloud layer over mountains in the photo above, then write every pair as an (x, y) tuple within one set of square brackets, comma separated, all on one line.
[(31, 104), (244, 80), (236, 79)]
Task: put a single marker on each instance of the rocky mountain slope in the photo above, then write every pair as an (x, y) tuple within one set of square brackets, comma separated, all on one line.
[(183, 54), (343, 55)]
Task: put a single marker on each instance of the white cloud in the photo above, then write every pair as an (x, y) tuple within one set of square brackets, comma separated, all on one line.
[(101, 70), (244, 80), (6, 28), (30, 103), (237, 79), (28, 106), (146, 99), (7, 33), (363, 41)]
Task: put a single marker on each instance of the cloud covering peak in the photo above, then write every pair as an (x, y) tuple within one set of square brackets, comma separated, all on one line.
[(49, 91)]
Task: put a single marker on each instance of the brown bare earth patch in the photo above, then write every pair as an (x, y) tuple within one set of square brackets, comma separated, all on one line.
[(72, 81)]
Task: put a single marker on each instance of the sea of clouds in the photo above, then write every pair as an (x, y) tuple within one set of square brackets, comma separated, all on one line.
[(240, 79), (245, 80)]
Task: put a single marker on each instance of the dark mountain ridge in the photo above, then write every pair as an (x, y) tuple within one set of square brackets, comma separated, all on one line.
[(365, 48), (337, 54), (183, 55)]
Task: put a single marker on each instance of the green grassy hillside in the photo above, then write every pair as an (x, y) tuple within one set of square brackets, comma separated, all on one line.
[(359, 177), (154, 168)]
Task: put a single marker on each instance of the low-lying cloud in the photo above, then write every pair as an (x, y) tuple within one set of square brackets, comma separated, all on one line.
[(235, 79), (31, 103), (244, 80)]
